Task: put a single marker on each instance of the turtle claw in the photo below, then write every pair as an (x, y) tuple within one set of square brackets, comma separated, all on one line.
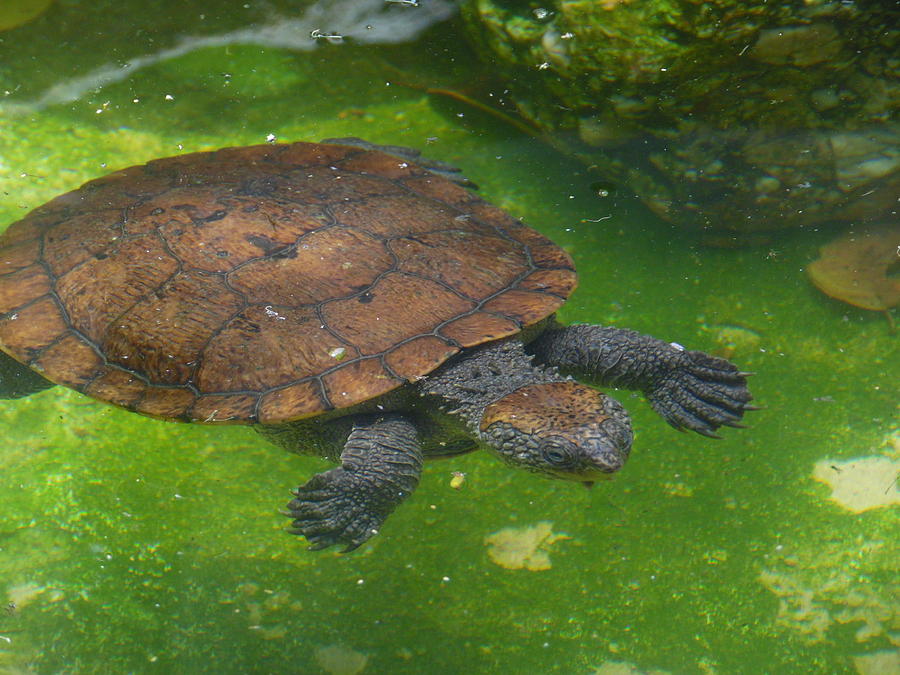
[(701, 393), (331, 508)]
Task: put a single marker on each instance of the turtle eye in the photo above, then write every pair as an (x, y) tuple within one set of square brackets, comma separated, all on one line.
[(555, 455)]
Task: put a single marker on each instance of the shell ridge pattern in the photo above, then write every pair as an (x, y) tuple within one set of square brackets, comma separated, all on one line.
[(320, 392), (281, 252), (70, 331), (318, 378), (500, 230), (179, 268), (49, 272), (462, 214), (38, 353), (54, 278), (299, 189), (60, 305), (201, 352), (149, 386)]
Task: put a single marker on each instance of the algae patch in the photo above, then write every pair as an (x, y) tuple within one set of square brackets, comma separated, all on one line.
[(885, 662), (825, 584), (340, 660), (518, 548), (861, 484), (624, 668)]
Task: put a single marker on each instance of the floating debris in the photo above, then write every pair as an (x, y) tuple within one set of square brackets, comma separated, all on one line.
[(341, 660), (861, 484), (518, 548), (857, 268)]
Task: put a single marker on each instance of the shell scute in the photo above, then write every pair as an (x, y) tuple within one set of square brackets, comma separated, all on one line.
[(266, 283)]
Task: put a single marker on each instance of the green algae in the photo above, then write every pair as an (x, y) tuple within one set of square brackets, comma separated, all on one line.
[(133, 545)]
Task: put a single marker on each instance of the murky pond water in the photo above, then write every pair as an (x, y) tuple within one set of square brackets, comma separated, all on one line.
[(129, 544)]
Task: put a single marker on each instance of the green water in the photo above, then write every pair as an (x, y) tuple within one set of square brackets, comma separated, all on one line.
[(133, 545)]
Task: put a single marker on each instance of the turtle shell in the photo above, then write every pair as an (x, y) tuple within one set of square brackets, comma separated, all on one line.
[(267, 283)]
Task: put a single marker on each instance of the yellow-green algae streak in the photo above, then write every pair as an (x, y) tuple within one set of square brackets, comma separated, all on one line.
[(133, 545)]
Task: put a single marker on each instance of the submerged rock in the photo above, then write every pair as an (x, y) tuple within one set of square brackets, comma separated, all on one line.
[(734, 114)]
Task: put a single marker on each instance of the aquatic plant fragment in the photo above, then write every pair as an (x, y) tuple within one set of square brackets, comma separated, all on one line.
[(860, 268)]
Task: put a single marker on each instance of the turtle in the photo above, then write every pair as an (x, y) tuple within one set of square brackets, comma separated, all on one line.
[(348, 300)]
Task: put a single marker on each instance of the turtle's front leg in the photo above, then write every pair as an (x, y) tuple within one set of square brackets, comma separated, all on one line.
[(380, 467), (689, 389)]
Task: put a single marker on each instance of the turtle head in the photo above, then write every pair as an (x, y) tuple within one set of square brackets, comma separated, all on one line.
[(560, 429)]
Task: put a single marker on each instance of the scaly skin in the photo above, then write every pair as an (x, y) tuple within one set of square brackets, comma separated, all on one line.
[(380, 467), (528, 413), (689, 389)]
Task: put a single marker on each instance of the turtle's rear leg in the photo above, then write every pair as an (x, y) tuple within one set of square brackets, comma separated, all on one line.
[(380, 467)]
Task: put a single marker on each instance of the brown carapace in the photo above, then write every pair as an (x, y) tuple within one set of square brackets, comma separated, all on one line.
[(266, 283)]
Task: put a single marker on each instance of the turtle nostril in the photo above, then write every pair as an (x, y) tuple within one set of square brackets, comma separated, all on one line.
[(606, 456)]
